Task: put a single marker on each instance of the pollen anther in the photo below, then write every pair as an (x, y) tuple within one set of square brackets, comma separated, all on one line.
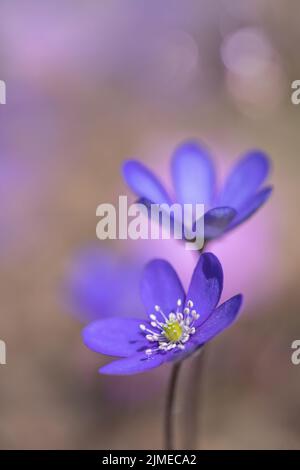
[(174, 331)]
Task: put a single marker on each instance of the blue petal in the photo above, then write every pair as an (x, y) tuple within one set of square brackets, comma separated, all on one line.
[(216, 221), (144, 183), (115, 336), (221, 318), (206, 286), (161, 286), (134, 364), (173, 224), (251, 206), (193, 174), (245, 179)]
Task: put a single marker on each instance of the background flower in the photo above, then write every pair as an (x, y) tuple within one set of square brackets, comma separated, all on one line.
[(194, 180), (100, 283)]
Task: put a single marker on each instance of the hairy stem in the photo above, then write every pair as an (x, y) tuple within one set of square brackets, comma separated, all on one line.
[(193, 397), (170, 408)]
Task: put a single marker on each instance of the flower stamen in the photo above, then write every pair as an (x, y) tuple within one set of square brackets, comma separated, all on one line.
[(174, 332)]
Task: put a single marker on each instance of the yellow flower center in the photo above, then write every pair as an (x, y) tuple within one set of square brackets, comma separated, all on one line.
[(173, 331)]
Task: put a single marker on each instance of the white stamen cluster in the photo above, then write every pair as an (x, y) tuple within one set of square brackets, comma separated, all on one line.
[(171, 331)]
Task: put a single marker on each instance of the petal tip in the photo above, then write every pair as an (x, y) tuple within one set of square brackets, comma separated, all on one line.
[(211, 261), (239, 298), (192, 144), (127, 167), (260, 156)]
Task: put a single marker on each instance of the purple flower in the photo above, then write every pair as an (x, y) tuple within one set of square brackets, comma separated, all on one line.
[(194, 180), (99, 284), (178, 324)]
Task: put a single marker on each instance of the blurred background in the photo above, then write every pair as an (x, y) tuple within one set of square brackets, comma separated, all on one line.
[(90, 84)]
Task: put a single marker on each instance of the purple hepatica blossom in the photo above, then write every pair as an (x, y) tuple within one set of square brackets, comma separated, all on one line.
[(178, 324), (99, 284), (193, 175)]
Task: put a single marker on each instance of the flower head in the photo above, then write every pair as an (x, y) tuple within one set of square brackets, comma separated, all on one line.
[(177, 323), (194, 180)]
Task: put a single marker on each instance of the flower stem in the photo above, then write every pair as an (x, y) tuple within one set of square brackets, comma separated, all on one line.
[(170, 407), (193, 393), (192, 399)]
